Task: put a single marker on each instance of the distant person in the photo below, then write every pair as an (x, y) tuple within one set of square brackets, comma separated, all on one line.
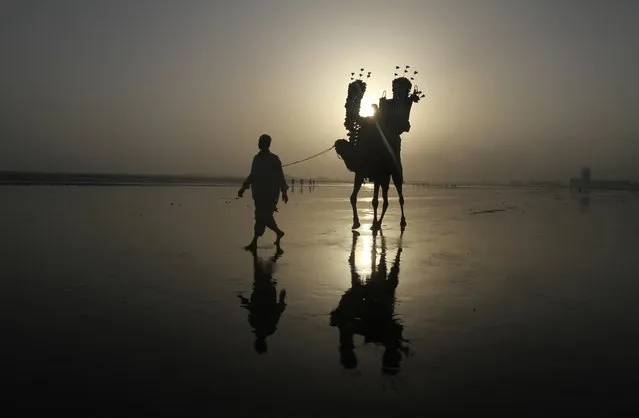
[(266, 181)]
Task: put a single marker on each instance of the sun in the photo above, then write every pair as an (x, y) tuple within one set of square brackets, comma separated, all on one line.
[(366, 108)]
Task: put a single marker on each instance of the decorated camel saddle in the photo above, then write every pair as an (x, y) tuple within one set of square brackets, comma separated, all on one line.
[(375, 140)]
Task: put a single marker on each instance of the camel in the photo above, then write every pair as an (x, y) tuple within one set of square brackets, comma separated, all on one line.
[(384, 169), (373, 148)]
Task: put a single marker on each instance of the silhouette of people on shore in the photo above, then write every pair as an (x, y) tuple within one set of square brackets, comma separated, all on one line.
[(368, 309), (265, 306), (266, 181)]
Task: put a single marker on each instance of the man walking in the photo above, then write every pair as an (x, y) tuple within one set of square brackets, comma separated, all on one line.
[(266, 181)]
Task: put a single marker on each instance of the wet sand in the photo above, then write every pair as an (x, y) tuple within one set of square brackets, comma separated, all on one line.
[(506, 302)]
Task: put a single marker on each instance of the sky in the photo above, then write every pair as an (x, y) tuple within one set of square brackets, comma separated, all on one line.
[(516, 89)]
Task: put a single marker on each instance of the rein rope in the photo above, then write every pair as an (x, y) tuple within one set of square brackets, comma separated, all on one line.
[(309, 158)]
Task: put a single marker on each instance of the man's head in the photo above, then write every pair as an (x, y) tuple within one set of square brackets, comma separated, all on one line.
[(375, 110), (264, 143)]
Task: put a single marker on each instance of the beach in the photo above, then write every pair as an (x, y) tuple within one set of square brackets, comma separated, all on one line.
[(509, 302)]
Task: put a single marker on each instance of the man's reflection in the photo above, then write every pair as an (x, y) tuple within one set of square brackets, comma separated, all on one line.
[(265, 308), (368, 309)]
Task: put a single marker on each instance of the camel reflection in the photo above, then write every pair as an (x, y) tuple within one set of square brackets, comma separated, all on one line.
[(265, 308), (368, 309)]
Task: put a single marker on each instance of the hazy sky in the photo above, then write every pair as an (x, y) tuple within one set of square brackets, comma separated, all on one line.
[(516, 88)]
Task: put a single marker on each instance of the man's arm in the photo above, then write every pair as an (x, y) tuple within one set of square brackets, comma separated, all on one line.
[(248, 181), (245, 185), (280, 177), (282, 180)]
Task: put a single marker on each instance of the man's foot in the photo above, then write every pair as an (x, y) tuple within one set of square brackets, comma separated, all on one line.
[(251, 247), (280, 234), (278, 253)]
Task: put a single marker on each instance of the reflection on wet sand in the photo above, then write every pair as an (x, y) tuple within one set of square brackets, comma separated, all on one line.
[(265, 308), (368, 309)]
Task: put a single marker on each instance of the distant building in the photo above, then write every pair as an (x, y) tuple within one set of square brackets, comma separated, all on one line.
[(585, 183), (585, 179)]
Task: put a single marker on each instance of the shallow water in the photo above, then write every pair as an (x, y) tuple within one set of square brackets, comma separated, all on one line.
[(512, 302)]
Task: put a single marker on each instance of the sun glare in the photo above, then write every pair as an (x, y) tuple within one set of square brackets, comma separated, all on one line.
[(363, 257), (366, 108)]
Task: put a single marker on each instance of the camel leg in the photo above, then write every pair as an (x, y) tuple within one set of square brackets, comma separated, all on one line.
[(357, 184), (384, 184), (398, 180), (375, 226), (351, 262)]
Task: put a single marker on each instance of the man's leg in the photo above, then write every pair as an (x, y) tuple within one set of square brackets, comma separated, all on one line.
[(259, 228), (272, 225)]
